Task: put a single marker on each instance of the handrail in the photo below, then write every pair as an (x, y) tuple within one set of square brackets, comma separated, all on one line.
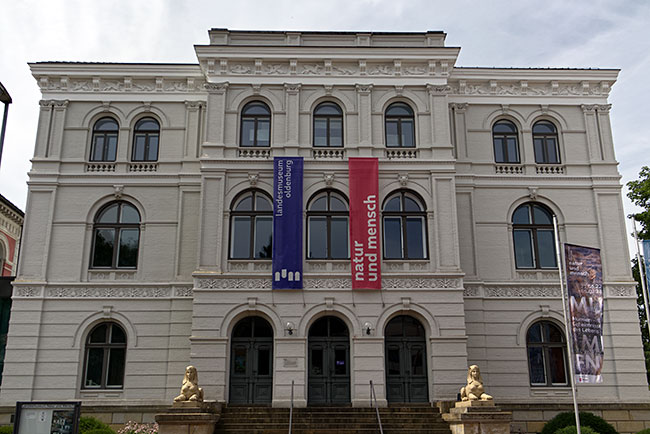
[(374, 395), (291, 409)]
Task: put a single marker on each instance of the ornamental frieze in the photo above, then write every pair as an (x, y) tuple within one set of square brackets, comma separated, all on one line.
[(330, 283), (107, 292), (535, 291)]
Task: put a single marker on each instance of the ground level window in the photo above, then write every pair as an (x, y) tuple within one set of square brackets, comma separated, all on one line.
[(105, 357), (546, 355)]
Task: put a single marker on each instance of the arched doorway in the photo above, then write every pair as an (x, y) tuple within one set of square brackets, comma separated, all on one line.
[(406, 360), (251, 362), (329, 362)]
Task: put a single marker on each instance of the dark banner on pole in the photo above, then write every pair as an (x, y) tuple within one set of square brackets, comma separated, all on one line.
[(287, 223), (646, 260), (364, 223), (585, 291)]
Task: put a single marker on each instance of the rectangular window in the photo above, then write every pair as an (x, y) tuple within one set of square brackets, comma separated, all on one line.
[(152, 152), (537, 366), (513, 152), (98, 149), (94, 367), (111, 152), (339, 238), (524, 248), (408, 141), (263, 132), (336, 132), (415, 237), (115, 374), (317, 237), (104, 240), (127, 255), (392, 137), (393, 238), (247, 132), (320, 132), (499, 152), (138, 147), (241, 238), (546, 247), (263, 237)]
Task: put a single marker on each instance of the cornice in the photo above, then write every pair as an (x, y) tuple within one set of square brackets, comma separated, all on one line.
[(534, 74)]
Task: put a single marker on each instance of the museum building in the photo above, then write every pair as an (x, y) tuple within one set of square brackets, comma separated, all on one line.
[(149, 223)]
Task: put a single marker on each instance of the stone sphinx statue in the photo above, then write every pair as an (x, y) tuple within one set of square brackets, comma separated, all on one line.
[(190, 390), (474, 390)]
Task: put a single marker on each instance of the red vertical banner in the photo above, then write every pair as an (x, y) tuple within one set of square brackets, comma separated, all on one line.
[(365, 253)]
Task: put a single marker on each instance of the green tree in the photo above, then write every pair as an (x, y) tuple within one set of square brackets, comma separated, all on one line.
[(639, 194), (643, 321)]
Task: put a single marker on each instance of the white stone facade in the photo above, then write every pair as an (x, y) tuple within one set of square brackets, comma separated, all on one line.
[(181, 302)]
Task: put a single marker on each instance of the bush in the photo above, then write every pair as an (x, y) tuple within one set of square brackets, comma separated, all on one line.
[(598, 424), (571, 429), (7, 429), (644, 431), (87, 424), (100, 431)]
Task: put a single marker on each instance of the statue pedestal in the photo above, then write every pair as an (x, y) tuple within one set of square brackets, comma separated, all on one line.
[(478, 417), (189, 417)]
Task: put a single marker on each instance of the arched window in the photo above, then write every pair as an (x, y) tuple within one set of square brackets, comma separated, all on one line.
[(546, 349), (506, 146), (328, 125), (400, 126), (104, 145), (116, 236), (255, 125), (105, 357), (532, 231), (145, 140), (327, 226), (545, 142), (251, 226), (405, 228)]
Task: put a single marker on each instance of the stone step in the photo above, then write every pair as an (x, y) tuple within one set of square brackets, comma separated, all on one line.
[(325, 420)]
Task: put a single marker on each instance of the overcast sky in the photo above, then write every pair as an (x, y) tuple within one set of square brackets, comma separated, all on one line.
[(521, 33)]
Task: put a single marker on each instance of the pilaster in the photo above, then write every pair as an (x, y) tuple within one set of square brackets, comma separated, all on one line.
[(364, 101)]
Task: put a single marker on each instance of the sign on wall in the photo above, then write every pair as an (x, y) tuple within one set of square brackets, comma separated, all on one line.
[(47, 417), (585, 292), (287, 222), (365, 253)]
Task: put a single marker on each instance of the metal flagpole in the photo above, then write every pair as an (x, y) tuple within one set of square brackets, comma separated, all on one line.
[(642, 274), (567, 325)]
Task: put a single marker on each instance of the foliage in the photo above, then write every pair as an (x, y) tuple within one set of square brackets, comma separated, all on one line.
[(7, 429), (639, 193), (571, 429), (644, 431), (562, 420), (87, 423), (100, 431), (643, 322), (139, 428)]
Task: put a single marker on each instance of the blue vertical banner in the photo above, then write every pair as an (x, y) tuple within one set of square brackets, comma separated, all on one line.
[(646, 260), (287, 222)]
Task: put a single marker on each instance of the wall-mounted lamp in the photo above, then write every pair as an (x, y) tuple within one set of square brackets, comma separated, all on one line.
[(368, 328), (289, 327)]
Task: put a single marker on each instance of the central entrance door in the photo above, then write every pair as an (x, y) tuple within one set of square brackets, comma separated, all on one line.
[(406, 361), (329, 362), (251, 362)]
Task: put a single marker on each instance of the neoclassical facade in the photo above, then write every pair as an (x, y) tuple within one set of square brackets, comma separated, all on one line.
[(149, 225)]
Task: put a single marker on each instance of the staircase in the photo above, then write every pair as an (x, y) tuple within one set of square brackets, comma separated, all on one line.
[(331, 420)]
